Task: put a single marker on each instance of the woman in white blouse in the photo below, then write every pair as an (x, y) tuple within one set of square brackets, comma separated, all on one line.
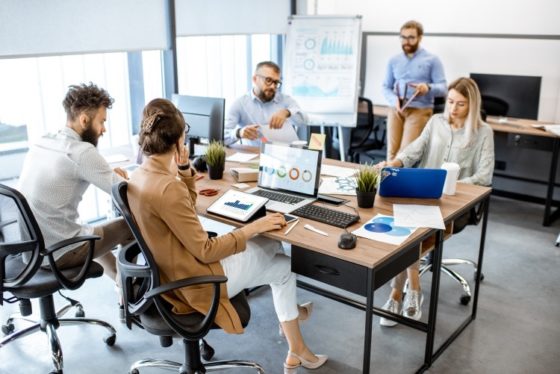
[(457, 135)]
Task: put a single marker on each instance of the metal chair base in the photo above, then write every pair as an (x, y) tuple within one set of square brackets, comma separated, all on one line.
[(209, 366)]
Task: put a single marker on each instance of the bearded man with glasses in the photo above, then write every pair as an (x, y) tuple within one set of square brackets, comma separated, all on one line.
[(263, 105), (412, 80)]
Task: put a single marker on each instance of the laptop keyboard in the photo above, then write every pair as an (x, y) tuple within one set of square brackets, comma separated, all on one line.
[(326, 215), (281, 197)]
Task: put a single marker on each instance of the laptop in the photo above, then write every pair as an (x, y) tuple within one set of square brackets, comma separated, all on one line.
[(289, 177), (412, 182)]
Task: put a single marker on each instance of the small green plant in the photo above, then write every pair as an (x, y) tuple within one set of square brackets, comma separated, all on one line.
[(367, 178), (215, 154)]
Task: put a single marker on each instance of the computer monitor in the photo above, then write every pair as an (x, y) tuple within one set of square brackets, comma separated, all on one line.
[(205, 116), (520, 93)]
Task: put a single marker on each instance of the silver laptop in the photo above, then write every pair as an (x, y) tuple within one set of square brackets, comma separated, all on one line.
[(289, 177)]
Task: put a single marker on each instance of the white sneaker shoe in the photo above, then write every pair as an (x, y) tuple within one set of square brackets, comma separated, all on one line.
[(392, 306), (413, 304)]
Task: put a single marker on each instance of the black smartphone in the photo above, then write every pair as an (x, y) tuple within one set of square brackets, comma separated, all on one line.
[(289, 218)]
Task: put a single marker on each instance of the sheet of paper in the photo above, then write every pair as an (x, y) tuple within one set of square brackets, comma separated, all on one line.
[(337, 171), (112, 159), (338, 186), (241, 186), (317, 141), (383, 229), (286, 134), (241, 157), (555, 129), (418, 216)]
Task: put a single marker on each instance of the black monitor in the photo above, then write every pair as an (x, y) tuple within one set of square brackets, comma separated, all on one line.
[(509, 95), (205, 116)]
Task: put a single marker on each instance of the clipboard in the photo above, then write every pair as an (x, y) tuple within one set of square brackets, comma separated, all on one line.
[(239, 206)]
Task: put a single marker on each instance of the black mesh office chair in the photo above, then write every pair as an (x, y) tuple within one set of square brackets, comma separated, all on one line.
[(365, 137), (147, 309), (494, 106), (473, 217), (21, 237)]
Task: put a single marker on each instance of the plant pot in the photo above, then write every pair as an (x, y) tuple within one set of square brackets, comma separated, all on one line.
[(215, 172), (365, 198)]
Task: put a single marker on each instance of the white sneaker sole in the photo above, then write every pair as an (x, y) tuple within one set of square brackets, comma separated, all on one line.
[(387, 322)]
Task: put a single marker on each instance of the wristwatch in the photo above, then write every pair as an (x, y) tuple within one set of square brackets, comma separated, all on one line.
[(184, 167), (238, 133)]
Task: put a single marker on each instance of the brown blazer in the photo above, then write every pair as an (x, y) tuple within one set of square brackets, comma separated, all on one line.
[(163, 205)]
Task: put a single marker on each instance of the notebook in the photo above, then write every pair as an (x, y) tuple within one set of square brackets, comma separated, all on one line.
[(288, 176), (412, 182)]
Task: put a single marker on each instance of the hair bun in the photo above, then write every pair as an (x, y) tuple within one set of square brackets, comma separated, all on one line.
[(150, 121)]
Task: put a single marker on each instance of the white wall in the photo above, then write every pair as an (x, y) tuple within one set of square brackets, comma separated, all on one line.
[(480, 52)]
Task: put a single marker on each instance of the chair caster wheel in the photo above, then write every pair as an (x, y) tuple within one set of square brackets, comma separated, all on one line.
[(110, 341), (134, 371), (481, 276), (465, 299), (80, 313), (56, 372), (7, 329), (206, 350)]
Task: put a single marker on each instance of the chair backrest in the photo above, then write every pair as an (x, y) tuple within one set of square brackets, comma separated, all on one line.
[(494, 106), (19, 235), (146, 276), (365, 127)]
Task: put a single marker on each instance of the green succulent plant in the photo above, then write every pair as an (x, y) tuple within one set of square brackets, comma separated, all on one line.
[(215, 154), (367, 178)]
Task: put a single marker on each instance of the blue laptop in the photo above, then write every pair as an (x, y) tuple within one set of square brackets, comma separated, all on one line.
[(412, 182)]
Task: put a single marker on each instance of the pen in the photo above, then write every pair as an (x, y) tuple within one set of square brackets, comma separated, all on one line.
[(311, 228), (291, 227)]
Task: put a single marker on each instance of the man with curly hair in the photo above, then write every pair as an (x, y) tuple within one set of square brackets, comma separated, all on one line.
[(59, 168)]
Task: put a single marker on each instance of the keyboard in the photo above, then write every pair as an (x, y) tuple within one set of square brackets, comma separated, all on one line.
[(326, 215), (281, 197)]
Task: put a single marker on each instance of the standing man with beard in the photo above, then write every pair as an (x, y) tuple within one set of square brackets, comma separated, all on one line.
[(264, 105), (58, 170), (415, 74)]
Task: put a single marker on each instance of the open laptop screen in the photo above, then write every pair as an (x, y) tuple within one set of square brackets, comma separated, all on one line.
[(289, 169)]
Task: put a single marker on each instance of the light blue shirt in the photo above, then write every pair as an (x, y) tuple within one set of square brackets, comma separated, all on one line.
[(56, 173), (422, 67), (249, 109)]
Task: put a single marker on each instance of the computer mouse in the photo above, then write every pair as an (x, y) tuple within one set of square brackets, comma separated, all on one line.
[(199, 163), (347, 240)]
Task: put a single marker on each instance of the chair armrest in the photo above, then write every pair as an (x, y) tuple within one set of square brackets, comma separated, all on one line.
[(65, 243), (76, 281), (186, 282), (17, 247)]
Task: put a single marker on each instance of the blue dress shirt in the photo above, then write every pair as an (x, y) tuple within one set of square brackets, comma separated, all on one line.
[(422, 67)]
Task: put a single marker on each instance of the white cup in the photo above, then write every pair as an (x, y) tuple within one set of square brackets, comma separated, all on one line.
[(451, 177)]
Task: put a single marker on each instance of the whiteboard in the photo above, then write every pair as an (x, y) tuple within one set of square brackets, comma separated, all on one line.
[(322, 65)]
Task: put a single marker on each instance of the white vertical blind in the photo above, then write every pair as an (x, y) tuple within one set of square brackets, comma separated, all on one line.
[(223, 17), (55, 27)]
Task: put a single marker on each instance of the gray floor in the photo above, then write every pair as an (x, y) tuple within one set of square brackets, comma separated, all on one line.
[(517, 329)]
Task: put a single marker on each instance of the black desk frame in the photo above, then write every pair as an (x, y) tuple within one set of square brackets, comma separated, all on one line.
[(379, 275)]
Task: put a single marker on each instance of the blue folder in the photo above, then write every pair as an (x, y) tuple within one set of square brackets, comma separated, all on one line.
[(412, 182)]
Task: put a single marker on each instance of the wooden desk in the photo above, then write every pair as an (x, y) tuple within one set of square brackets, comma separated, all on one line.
[(521, 134), (371, 264)]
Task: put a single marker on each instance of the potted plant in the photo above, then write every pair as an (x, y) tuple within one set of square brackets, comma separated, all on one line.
[(215, 160), (367, 179)]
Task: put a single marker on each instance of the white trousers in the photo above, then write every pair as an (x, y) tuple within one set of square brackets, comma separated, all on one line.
[(264, 262)]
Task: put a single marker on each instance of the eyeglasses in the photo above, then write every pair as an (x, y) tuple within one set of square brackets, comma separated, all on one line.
[(269, 81), (409, 38)]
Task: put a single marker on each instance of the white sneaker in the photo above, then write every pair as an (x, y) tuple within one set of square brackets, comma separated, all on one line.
[(392, 306), (413, 304)]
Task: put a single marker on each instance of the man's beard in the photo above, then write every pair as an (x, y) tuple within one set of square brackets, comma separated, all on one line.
[(89, 135), (264, 97), (413, 48)]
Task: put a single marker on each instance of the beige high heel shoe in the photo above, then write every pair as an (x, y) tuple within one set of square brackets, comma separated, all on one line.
[(308, 308), (292, 369)]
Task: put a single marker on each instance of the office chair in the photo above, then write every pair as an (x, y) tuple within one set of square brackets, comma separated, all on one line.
[(494, 106), (26, 280), (146, 308), (472, 217), (364, 137)]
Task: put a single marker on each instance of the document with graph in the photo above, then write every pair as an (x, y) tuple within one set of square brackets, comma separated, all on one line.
[(239, 206)]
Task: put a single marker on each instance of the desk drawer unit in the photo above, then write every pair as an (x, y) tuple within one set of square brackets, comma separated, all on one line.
[(329, 270)]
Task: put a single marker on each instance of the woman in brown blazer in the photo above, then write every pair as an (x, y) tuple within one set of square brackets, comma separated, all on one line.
[(162, 196)]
